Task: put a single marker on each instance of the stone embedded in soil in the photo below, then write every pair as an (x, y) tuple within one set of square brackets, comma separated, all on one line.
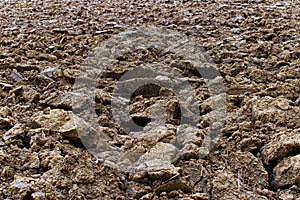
[(287, 172), (280, 146)]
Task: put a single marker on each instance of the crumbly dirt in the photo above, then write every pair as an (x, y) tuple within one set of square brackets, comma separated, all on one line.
[(255, 47)]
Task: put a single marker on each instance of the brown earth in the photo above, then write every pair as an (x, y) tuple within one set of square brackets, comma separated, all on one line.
[(255, 47)]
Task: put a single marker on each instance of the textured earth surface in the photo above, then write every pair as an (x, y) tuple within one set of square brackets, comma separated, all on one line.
[(46, 45)]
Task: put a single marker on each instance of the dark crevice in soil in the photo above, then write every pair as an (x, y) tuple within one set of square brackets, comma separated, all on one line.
[(141, 121), (147, 91)]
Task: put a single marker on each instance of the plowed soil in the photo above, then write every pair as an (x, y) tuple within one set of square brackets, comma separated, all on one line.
[(254, 45)]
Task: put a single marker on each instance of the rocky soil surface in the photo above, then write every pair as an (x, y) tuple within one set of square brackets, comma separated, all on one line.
[(46, 45)]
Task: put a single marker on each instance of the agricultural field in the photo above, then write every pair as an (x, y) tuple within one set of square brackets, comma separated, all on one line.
[(150, 100)]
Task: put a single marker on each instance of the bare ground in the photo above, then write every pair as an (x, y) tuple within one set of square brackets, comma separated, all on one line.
[(255, 47)]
